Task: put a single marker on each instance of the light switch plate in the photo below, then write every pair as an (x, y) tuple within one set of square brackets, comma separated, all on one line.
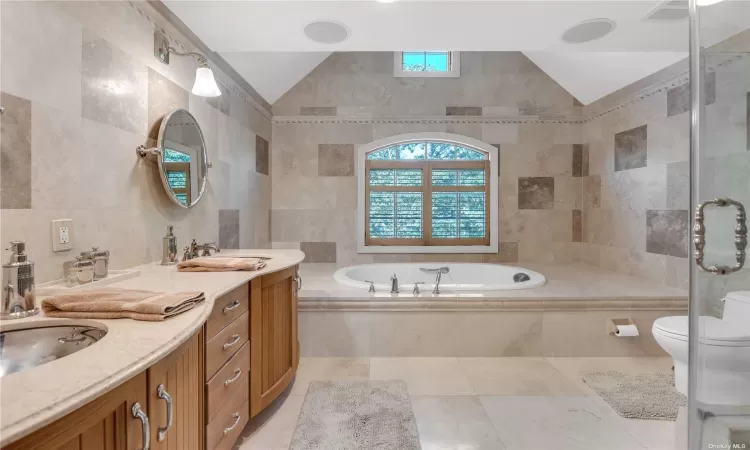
[(62, 235)]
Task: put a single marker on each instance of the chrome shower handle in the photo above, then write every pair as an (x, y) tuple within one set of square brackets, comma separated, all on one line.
[(740, 236)]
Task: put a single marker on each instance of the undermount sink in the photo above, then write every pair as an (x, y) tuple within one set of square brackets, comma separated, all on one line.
[(26, 348)]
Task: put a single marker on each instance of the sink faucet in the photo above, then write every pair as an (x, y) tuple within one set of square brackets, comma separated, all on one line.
[(192, 250), (394, 284), (439, 271)]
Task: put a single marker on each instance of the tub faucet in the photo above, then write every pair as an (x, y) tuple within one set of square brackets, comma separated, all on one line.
[(372, 286), (439, 271), (394, 284)]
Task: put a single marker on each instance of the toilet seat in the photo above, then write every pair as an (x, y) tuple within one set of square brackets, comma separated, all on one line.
[(714, 331)]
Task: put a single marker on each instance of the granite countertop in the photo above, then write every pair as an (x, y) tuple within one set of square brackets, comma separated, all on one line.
[(36, 397)]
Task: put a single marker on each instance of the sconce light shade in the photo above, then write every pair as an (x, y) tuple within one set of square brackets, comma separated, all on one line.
[(205, 84)]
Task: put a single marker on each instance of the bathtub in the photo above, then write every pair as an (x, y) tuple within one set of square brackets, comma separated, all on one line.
[(462, 277)]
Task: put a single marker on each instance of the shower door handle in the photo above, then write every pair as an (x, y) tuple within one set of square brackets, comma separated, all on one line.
[(740, 236)]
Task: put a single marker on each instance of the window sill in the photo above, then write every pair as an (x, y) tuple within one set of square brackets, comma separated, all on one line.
[(492, 248)]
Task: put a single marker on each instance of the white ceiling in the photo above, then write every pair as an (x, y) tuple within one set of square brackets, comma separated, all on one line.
[(265, 43)]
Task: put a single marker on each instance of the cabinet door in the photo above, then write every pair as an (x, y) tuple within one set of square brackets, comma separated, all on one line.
[(273, 336), (178, 379), (106, 423)]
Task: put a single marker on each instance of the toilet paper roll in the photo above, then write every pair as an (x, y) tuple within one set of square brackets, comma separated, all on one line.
[(626, 330)]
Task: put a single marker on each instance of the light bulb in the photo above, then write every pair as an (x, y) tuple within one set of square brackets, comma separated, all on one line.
[(205, 84)]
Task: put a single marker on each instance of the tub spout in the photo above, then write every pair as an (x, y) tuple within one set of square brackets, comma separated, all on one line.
[(394, 284), (439, 271)]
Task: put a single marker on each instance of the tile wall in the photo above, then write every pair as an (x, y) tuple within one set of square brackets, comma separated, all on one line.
[(81, 89), (353, 99), (636, 216)]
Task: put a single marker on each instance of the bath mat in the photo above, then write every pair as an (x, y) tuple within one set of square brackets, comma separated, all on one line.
[(356, 415), (649, 396)]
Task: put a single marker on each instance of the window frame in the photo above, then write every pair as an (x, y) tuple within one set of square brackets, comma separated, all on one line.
[(454, 70), (426, 244)]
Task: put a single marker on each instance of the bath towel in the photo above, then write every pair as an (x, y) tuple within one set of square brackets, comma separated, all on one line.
[(214, 264), (120, 303)]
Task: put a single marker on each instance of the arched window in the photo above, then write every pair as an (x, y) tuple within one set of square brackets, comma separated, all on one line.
[(427, 193)]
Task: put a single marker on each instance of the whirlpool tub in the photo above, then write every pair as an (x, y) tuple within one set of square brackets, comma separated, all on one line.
[(459, 276)]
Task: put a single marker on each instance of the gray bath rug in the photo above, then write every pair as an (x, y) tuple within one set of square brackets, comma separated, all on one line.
[(356, 415), (637, 396)]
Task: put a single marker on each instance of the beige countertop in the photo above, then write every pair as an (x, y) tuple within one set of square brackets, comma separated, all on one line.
[(36, 397)]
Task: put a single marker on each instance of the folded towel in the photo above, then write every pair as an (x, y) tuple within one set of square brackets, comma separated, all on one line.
[(215, 264), (120, 303)]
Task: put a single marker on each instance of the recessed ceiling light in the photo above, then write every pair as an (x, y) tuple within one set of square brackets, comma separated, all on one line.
[(327, 32), (588, 30)]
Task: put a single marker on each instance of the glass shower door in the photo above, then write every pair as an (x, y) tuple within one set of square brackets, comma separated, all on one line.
[(718, 409)]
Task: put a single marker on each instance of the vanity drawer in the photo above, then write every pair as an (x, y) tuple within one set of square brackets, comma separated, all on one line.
[(222, 432), (236, 373), (227, 308), (225, 344)]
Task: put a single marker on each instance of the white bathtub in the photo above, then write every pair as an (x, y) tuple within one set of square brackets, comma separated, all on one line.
[(462, 277)]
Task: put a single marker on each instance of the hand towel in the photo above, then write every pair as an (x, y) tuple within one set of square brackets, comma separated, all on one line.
[(215, 264), (120, 303)]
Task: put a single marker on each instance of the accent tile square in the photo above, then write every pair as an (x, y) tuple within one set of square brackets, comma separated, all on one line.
[(678, 98), (536, 192), (577, 225), (318, 252), (317, 111), (463, 110), (667, 232), (261, 155), (336, 160), (580, 160), (631, 148), (229, 228), (15, 152), (163, 97)]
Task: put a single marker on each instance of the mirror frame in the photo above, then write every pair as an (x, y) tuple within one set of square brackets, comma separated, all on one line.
[(160, 157)]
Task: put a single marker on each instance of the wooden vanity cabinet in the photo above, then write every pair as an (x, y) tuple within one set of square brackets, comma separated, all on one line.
[(274, 348), (108, 423)]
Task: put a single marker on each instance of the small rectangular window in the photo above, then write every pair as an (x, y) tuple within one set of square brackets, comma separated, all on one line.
[(426, 64)]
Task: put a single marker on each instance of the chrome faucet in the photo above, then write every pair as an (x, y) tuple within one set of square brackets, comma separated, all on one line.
[(372, 286), (394, 284), (439, 271), (192, 250)]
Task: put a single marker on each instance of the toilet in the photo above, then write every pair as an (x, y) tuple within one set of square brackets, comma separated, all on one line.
[(725, 351)]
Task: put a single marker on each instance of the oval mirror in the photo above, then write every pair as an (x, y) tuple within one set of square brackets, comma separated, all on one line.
[(183, 163)]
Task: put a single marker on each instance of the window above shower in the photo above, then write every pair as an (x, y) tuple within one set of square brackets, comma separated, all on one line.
[(427, 64)]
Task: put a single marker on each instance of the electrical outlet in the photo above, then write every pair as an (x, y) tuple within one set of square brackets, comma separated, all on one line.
[(62, 235)]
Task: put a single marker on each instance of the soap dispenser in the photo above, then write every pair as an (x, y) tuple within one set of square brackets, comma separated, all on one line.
[(19, 292), (169, 248)]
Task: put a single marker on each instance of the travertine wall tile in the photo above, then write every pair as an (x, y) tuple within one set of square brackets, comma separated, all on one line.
[(536, 192), (667, 232), (678, 98), (463, 110), (631, 148), (577, 225), (319, 252), (317, 111), (335, 160), (81, 140), (262, 158), (229, 228)]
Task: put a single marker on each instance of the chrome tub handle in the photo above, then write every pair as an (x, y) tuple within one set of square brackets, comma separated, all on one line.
[(237, 375), (740, 236), (162, 393), (145, 427), (234, 305), (236, 421), (235, 339)]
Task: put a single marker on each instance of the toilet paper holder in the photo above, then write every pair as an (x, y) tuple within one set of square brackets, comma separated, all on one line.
[(612, 325)]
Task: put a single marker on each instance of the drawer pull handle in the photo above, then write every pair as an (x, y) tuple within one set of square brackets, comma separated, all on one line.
[(235, 339), (162, 393), (237, 374), (146, 429), (235, 304), (236, 421)]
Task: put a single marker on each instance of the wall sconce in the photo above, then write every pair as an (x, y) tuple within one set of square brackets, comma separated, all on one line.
[(205, 83)]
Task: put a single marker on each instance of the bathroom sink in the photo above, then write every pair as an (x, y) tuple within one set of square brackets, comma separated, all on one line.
[(27, 348), (261, 257)]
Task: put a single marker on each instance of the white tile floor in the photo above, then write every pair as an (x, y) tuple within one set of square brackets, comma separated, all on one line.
[(484, 403)]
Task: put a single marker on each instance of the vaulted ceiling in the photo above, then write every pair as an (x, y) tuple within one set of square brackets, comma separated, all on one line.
[(264, 41)]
